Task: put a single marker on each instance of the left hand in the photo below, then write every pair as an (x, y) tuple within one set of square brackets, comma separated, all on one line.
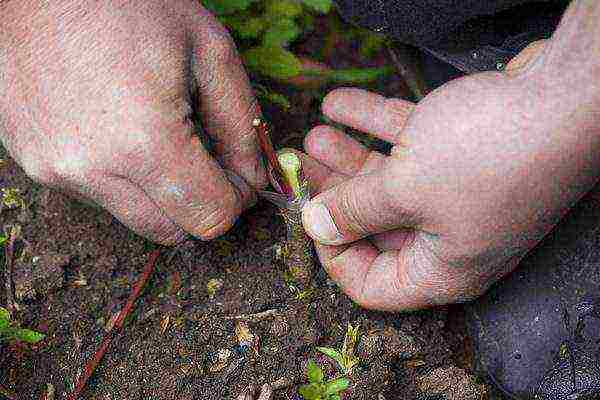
[(481, 170)]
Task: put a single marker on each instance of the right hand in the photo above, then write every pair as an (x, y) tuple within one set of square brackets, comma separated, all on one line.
[(97, 100), (480, 171)]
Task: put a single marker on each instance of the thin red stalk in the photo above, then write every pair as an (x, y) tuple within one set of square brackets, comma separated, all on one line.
[(109, 336), (9, 254), (264, 141)]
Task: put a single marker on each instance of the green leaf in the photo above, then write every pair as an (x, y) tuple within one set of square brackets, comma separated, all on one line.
[(3, 239), (314, 372), (332, 353), (4, 318), (224, 7), (335, 397), (310, 392), (371, 44), (281, 33), (337, 385), (244, 26), (358, 75), (273, 61), (276, 98), (276, 9), (322, 6), (28, 336)]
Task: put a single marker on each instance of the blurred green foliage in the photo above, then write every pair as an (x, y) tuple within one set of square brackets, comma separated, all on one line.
[(265, 32), (8, 331)]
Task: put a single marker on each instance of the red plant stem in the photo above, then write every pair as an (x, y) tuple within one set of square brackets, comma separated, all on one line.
[(91, 365), (9, 254), (264, 141)]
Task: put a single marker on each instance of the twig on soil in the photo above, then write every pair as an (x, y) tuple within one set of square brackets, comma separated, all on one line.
[(284, 382), (111, 333), (261, 316), (266, 393), (9, 262)]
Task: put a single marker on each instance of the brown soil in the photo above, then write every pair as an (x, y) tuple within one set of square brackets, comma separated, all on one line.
[(78, 265)]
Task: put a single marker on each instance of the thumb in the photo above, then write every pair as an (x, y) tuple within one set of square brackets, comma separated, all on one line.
[(360, 207)]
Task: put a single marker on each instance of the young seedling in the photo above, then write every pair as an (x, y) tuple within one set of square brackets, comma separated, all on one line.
[(287, 177), (12, 199), (345, 358), (318, 388), (8, 330)]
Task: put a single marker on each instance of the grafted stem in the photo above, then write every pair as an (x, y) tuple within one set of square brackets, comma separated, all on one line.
[(285, 172)]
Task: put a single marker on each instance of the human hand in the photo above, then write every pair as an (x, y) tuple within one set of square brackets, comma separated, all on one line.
[(98, 100), (480, 171)]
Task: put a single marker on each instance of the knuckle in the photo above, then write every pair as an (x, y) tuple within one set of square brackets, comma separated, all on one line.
[(353, 215)]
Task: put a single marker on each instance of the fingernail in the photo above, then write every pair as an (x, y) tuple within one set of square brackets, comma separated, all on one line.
[(319, 223)]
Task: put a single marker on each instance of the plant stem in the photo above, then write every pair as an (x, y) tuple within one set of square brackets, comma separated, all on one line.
[(263, 134), (91, 365), (287, 177), (9, 255)]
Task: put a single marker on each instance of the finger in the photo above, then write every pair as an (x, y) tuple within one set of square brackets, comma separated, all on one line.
[(191, 187), (368, 112), (407, 278), (340, 152), (373, 279), (134, 209), (362, 206), (320, 177), (226, 100)]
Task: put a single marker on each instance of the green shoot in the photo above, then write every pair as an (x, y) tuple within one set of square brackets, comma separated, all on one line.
[(318, 388), (345, 358), (11, 198), (292, 172), (8, 331)]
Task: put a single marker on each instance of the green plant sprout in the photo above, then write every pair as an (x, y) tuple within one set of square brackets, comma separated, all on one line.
[(8, 331), (11, 198), (345, 358), (318, 388)]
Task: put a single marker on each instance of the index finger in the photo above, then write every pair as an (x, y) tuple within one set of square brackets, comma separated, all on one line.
[(226, 101)]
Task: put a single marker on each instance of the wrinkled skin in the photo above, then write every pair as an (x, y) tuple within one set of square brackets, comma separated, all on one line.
[(97, 100), (480, 171)]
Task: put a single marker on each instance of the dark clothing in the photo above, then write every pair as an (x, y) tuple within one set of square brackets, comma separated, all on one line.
[(472, 35)]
